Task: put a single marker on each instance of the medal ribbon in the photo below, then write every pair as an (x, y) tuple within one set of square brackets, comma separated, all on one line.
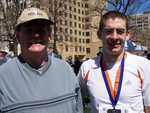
[(113, 94)]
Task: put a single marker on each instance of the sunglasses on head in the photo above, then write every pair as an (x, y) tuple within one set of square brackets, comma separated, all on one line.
[(119, 31)]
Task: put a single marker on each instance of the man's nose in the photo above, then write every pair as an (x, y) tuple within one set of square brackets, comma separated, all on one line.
[(35, 35), (114, 34)]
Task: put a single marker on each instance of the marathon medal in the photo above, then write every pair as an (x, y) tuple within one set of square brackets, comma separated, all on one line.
[(113, 93), (113, 111)]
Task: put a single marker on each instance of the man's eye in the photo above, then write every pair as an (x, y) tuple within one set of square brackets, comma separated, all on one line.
[(108, 31), (120, 31)]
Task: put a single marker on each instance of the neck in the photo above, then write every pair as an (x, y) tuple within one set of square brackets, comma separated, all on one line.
[(34, 60), (110, 59)]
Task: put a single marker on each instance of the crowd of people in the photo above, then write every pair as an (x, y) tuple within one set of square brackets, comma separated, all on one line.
[(35, 81)]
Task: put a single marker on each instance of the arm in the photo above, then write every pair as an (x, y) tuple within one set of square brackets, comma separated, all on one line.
[(82, 82), (146, 88), (79, 100), (147, 109)]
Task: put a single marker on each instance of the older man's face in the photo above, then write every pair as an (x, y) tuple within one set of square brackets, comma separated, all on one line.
[(33, 36)]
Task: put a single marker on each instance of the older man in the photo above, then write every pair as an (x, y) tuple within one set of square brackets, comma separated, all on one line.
[(34, 82)]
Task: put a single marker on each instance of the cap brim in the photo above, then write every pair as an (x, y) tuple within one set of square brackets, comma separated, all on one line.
[(44, 20)]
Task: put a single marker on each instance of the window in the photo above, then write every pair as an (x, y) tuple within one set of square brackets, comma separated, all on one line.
[(66, 38), (70, 8), (80, 40), (65, 6), (83, 49), (74, 2), (79, 18), (80, 48), (70, 24), (66, 47), (79, 4), (87, 40), (66, 14), (79, 25), (75, 39), (70, 15), (60, 22), (71, 39), (79, 11), (86, 6), (75, 10), (88, 50), (83, 40), (61, 38), (87, 33), (82, 12), (75, 32), (75, 17), (66, 30), (80, 33), (76, 48), (60, 29), (70, 31), (75, 24), (83, 34)]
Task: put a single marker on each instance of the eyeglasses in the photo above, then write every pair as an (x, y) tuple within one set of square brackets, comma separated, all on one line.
[(119, 31)]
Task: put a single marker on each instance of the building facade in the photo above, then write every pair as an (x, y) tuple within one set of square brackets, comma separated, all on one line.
[(140, 21), (140, 24), (75, 28)]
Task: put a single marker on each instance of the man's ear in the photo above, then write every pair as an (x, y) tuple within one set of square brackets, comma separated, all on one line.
[(99, 34), (17, 35)]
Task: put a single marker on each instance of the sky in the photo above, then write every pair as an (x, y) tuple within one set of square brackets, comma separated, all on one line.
[(139, 7), (145, 6)]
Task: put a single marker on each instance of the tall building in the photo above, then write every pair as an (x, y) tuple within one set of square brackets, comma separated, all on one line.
[(140, 24), (73, 30), (140, 21)]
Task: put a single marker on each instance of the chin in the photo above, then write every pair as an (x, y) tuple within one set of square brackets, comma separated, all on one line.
[(118, 52)]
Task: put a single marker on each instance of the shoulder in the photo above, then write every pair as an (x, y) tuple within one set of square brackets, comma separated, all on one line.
[(87, 66), (61, 66), (8, 65), (91, 63), (137, 60), (8, 72), (59, 62)]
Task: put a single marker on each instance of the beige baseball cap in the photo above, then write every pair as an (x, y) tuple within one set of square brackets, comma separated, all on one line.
[(29, 14)]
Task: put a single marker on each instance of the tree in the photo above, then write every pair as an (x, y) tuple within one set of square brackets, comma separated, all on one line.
[(10, 11), (57, 11), (124, 6)]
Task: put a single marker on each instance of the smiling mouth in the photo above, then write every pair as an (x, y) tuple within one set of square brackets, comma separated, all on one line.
[(114, 43)]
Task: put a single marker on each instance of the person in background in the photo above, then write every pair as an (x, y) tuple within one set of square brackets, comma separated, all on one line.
[(77, 64), (117, 81), (35, 82), (70, 61), (4, 57)]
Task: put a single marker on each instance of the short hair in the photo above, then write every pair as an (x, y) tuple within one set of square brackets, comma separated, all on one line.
[(113, 15)]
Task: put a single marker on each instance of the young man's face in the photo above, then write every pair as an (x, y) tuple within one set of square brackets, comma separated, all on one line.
[(113, 36), (33, 36)]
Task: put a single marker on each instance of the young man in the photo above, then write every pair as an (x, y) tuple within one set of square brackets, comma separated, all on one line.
[(34, 82), (117, 81)]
